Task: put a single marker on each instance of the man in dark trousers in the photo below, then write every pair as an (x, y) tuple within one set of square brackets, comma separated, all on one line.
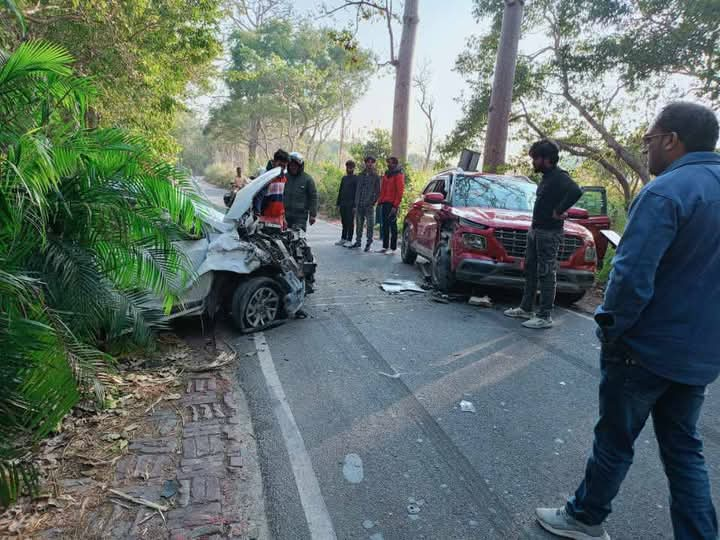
[(391, 194), (346, 204), (366, 194), (658, 327), (556, 193)]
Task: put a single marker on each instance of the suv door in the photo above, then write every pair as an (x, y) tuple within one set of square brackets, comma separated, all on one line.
[(413, 225), (429, 221), (594, 200)]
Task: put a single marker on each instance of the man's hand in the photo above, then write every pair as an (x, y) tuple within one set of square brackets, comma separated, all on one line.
[(393, 213), (557, 216), (312, 220)]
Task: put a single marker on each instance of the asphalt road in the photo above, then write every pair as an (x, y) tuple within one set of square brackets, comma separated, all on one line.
[(357, 416)]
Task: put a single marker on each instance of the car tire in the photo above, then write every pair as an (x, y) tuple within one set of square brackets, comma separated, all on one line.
[(567, 299), (442, 275), (256, 303), (407, 254)]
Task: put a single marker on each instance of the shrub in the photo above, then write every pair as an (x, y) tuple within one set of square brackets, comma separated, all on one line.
[(87, 223), (327, 180), (220, 174)]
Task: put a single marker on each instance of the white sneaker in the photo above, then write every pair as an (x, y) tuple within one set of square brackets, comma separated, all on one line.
[(558, 522), (391, 252), (340, 242), (381, 250), (518, 313), (538, 323)]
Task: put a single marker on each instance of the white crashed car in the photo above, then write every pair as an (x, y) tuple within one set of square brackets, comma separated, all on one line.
[(254, 270)]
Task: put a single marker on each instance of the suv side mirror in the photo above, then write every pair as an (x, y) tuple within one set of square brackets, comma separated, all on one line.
[(578, 213), (434, 198)]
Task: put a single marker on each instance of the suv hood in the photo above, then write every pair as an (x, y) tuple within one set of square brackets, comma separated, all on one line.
[(513, 219), (244, 198)]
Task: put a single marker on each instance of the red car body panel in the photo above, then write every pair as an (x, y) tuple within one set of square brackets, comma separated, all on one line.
[(502, 261)]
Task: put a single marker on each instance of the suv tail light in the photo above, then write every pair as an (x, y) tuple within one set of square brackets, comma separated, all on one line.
[(475, 241)]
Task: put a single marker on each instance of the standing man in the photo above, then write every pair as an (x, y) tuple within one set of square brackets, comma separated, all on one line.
[(658, 327), (367, 192), (301, 199), (271, 198), (346, 203), (556, 193), (391, 194)]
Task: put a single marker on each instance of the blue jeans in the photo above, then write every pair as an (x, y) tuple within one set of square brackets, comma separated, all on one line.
[(628, 395)]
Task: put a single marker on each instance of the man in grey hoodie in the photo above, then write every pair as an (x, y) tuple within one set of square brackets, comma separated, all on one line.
[(366, 195)]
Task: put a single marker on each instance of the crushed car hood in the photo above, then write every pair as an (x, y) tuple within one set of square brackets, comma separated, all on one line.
[(497, 218)]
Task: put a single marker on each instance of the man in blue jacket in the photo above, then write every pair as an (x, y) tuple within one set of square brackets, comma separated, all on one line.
[(659, 328)]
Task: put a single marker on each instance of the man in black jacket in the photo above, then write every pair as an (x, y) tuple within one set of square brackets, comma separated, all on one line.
[(556, 193), (346, 203)]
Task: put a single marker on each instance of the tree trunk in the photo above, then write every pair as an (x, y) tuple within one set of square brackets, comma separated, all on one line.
[(501, 97), (431, 135), (253, 143), (342, 131), (403, 81)]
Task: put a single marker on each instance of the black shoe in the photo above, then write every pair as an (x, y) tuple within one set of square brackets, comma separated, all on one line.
[(367, 247), (354, 246)]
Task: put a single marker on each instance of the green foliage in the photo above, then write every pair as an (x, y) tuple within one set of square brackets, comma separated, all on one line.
[(220, 174), (197, 150), (87, 221), (327, 178), (594, 84), (141, 55), (378, 145), (288, 85)]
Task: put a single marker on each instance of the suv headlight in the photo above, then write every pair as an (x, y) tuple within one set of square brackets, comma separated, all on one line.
[(590, 254), (475, 241)]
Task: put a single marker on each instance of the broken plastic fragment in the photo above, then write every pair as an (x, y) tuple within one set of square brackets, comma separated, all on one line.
[(398, 285), (467, 406), (413, 509), (482, 301)]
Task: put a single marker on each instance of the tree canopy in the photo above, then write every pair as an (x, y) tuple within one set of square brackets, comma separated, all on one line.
[(287, 85), (141, 55), (603, 71)]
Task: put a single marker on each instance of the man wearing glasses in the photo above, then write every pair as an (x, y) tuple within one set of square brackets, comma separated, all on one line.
[(658, 326)]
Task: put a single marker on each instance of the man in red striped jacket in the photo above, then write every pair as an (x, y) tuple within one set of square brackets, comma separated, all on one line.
[(391, 194)]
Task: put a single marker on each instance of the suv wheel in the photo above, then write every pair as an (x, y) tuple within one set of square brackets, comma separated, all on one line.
[(256, 303), (406, 252), (442, 275)]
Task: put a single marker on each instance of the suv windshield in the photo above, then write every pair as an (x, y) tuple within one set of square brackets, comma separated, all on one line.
[(504, 192)]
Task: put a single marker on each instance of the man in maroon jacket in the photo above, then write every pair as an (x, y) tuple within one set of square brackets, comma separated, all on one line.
[(391, 194)]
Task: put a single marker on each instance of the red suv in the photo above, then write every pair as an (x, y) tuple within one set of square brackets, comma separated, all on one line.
[(473, 227)]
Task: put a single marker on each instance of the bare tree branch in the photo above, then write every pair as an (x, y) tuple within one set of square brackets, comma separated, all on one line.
[(426, 103), (384, 9)]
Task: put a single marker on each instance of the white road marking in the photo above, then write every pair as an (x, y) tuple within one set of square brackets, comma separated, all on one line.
[(588, 317), (316, 513)]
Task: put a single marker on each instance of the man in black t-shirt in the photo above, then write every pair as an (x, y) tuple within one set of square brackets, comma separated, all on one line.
[(556, 193)]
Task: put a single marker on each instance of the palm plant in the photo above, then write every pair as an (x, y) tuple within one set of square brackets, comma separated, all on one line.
[(87, 223)]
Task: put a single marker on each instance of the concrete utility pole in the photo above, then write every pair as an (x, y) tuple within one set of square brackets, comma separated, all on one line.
[(501, 98)]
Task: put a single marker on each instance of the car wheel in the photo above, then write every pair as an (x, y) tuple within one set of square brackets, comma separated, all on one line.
[(567, 299), (406, 252), (442, 275), (256, 303)]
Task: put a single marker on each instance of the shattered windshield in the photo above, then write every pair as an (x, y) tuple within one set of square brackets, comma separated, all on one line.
[(504, 192)]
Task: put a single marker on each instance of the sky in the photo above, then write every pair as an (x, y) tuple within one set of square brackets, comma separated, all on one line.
[(442, 33)]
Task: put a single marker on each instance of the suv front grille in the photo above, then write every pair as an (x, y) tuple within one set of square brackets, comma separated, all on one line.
[(515, 243)]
